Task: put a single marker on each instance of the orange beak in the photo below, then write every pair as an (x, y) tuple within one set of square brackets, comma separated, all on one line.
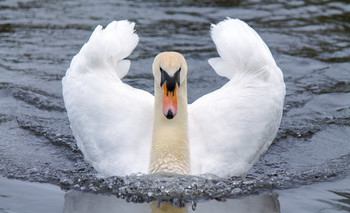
[(169, 102)]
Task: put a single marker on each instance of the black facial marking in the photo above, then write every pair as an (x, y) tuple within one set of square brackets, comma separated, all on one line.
[(171, 80), (164, 76), (177, 76)]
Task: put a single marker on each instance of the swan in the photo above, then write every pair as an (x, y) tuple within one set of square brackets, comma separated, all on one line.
[(123, 130)]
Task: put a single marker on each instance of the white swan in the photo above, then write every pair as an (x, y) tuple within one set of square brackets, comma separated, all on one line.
[(123, 130)]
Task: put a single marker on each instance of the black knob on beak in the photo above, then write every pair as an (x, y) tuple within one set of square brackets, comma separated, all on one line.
[(170, 114)]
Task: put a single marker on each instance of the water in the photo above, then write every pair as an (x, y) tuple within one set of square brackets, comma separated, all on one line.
[(17, 196), (309, 40)]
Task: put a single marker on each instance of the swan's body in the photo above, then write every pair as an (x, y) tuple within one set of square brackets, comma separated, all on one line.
[(123, 130)]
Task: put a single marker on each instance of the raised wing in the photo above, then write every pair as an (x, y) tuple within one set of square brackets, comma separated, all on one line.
[(230, 128), (111, 121)]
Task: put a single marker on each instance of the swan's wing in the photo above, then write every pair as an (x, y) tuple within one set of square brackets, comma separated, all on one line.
[(111, 121), (230, 128)]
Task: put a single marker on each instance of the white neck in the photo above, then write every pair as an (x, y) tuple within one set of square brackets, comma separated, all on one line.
[(170, 152)]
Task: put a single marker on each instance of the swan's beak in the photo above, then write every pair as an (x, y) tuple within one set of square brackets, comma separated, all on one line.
[(169, 101)]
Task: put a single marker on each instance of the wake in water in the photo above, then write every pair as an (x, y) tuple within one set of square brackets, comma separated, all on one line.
[(309, 41)]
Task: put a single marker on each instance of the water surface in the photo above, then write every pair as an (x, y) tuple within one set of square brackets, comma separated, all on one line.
[(309, 40), (18, 196)]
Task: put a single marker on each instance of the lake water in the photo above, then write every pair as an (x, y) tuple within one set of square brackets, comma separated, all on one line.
[(306, 168), (24, 197)]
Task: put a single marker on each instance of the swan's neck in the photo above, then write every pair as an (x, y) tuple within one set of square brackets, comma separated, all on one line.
[(170, 150)]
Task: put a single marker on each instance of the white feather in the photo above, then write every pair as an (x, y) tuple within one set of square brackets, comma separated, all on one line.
[(230, 128), (104, 111)]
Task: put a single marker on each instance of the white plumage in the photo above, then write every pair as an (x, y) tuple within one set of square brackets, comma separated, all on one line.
[(111, 121), (229, 129)]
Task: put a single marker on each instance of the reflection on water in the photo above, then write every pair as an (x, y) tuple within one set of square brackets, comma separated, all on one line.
[(342, 203), (166, 207), (322, 197), (24, 197), (81, 202)]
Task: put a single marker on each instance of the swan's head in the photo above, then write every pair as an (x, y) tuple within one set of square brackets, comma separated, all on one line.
[(170, 71)]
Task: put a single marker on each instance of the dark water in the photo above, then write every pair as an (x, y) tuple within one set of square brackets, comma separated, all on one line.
[(309, 40)]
